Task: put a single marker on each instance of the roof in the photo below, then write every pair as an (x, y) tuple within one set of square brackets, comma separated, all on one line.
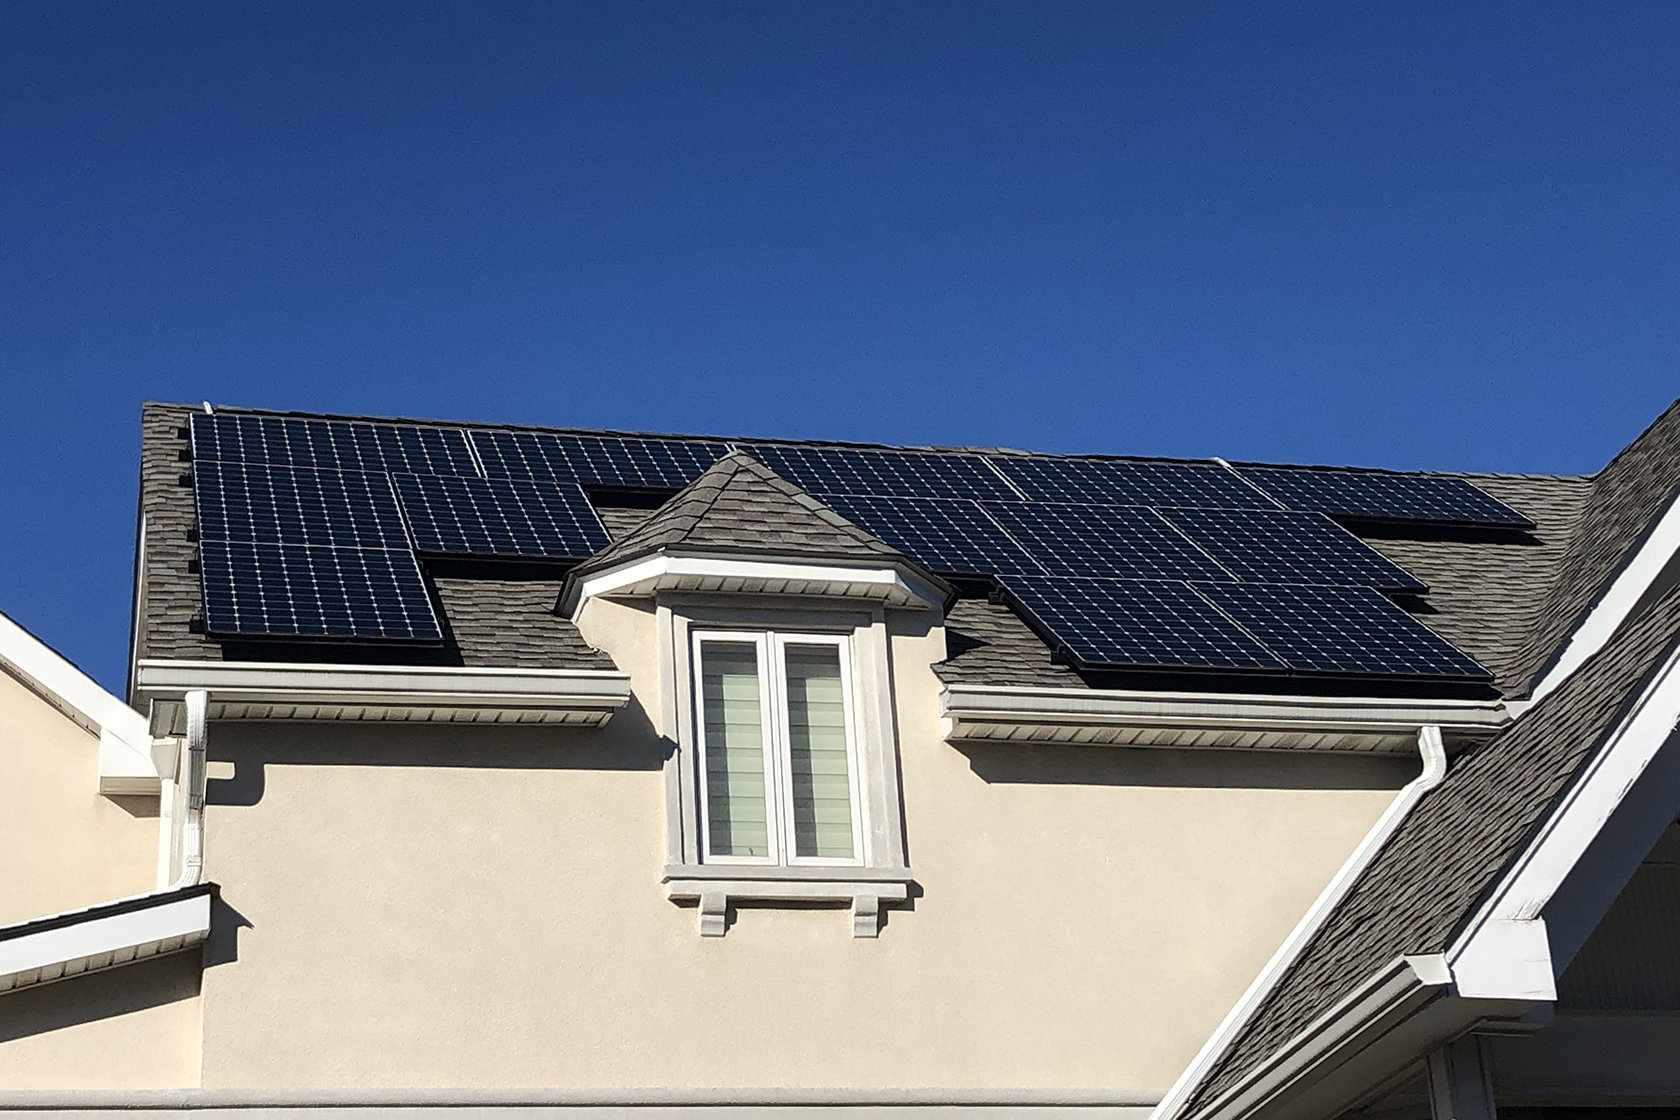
[(740, 505), (1491, 594), (1425, 884), (1627, 497)]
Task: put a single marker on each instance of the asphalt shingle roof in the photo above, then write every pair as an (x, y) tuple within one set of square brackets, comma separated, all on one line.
[(1427, 881)]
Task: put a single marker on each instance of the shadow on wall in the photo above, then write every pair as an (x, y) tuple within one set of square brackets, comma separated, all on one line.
[(99, 995), (1066, 764), (628, 742)]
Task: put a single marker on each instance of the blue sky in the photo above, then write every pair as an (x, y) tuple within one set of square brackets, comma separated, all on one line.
[(1403, 235)]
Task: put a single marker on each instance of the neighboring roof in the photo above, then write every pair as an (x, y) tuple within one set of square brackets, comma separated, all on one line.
[(1628, 496), (739, 505), (1424, 885), (1486, 589)]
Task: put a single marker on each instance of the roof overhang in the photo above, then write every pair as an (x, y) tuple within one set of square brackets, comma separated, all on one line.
[(116, 933), (1206, 721), (395, 693), (647, 576)]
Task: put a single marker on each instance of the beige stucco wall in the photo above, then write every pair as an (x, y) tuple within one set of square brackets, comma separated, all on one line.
[(134, 1027), (62, 845), (432, 906)]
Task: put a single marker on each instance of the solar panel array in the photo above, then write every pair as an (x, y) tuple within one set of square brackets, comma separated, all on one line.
[(313, 527)]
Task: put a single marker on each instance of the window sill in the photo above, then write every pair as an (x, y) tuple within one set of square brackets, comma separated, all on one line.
[(715, 886)]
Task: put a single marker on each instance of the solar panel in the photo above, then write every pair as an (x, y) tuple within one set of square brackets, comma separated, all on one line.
[(304, 591), (1137, 623), (275, 504), (949, 536), (1125, 542), (1127, 482), (626, 462), (1340, 630), (1261, 546), (351, 445), (500, 517), (910, 474), (1384, 496)]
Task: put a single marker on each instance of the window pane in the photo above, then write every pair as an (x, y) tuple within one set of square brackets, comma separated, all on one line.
[(822, 785), (735, 812)]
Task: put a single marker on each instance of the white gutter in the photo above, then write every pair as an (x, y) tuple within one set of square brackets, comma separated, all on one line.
[(433, 694), (1434, 757), (1200, 720), (647, 576), (100, 937)]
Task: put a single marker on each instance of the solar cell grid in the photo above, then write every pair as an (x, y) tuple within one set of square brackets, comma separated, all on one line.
[(1124, 542), (626, 462), (1374, 494), (911, 474), (1138, 623), (1263, 546), (301, 591), (510, 517), (943, 535), (1130, 483), (1340, 630), (276, 504), (330, 444)]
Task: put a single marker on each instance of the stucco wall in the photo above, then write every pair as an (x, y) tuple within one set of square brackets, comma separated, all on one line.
[(429, 906), (62, 845), (134, 1027)]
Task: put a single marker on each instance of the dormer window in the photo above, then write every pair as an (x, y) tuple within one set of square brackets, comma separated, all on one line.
[(776, 749)]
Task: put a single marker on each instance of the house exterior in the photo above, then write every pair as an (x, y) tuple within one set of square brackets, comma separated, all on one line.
[(517, 770)]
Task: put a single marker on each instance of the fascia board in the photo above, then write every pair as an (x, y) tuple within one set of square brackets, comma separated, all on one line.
[(416, 687), (74, 944), (1385, 998), (1091, 707), (1624, 593), (676, 570), (125, 742), (1501, 953)]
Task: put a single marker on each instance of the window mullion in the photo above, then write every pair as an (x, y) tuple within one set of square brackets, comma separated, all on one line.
[(774, 739)]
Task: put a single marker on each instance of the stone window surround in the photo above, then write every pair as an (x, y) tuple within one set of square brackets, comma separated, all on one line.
[(883, 875)]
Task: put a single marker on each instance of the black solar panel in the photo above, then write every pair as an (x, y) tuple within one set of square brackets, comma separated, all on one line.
[(943, 535), (1340, 630), (1262, 546), (351, 445), (275, 504), (1137, 623), (1125, 542), (1125, 482), (512, 517), (1389, 497), (627, 462), (910, 474), (303, 591)]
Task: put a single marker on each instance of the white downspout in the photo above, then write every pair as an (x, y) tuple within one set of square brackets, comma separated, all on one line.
[(1434, 769), (192, 813)]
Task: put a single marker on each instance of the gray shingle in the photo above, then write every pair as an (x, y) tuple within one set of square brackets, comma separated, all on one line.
[(740, 505), (1484, 594), (512, 623), (1627, 496), (987, 643), (1428, 879)]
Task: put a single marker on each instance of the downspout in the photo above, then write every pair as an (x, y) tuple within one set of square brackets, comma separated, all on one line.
[(192, 814), (1434, 756)]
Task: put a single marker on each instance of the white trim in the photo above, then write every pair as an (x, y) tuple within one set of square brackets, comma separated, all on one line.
[(103, 942), (648, 576), (1203, 721), (125, 745), (1434, 769), (269, 691), (1503, 951), (1625, 593)]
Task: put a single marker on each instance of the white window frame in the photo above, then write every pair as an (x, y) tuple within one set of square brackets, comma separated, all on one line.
[(879, 873), (775, 720)]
